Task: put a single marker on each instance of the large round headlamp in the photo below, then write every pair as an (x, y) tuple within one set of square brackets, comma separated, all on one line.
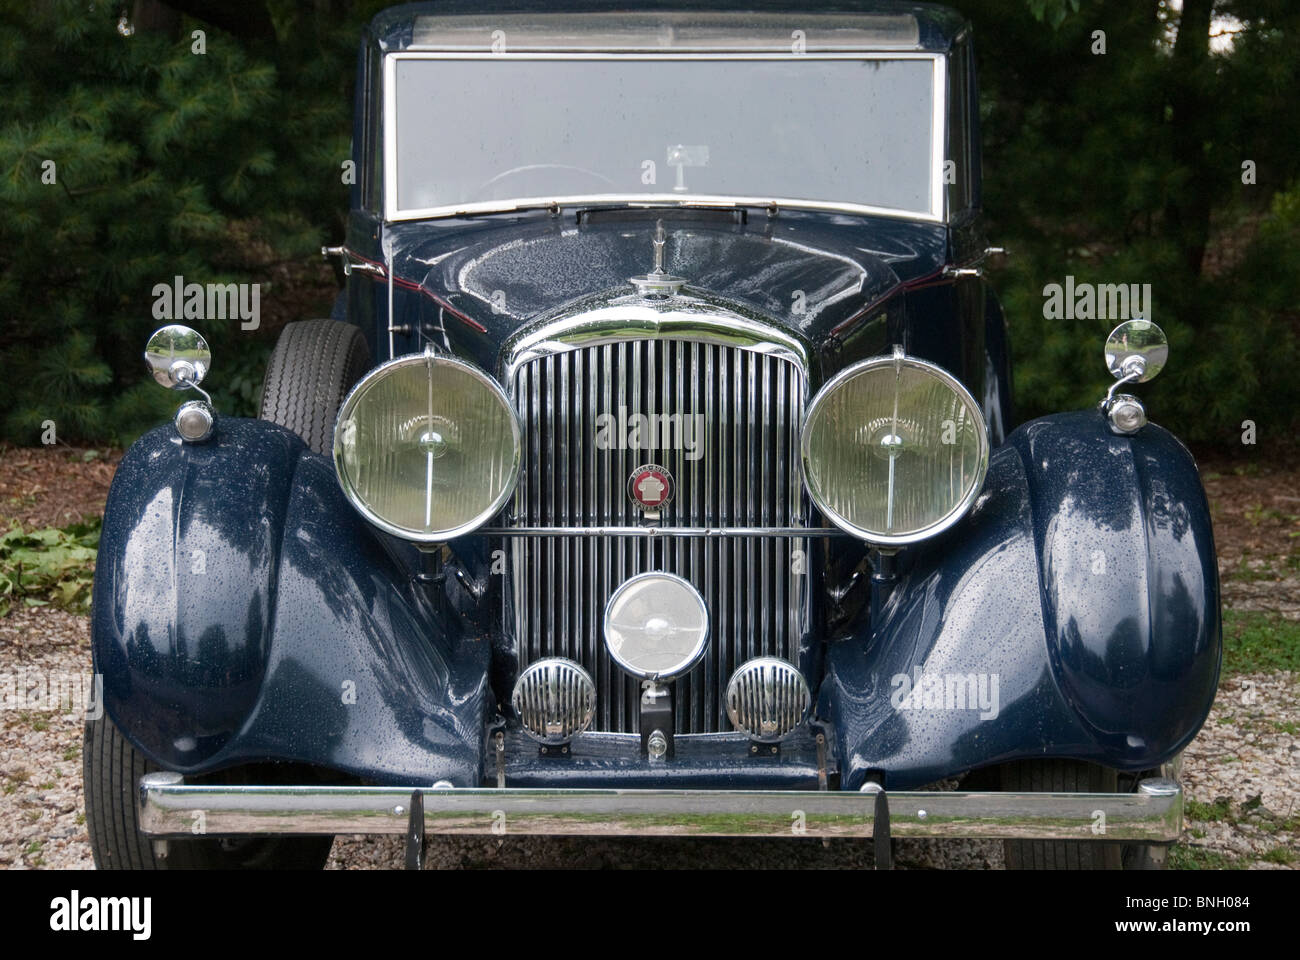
[(427, 447), (894, 450)]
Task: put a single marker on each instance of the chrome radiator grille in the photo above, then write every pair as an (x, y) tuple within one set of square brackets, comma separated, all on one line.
[(743, 472)]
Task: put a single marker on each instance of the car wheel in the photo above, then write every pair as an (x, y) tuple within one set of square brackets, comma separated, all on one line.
[(1070, 776), (111, 768), (314, 365)]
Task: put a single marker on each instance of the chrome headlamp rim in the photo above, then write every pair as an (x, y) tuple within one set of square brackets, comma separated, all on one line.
[(948, 519), (696, 652), (441, 536)]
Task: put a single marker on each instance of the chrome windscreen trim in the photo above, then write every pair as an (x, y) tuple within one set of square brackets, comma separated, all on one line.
[(937, 213), (653, 199), (695, 31)]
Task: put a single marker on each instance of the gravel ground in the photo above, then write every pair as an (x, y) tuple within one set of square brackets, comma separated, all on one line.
[(1256, 511), (1241, 773), (42, 816)]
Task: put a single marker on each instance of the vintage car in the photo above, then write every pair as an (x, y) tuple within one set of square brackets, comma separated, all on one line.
[(655, 475)]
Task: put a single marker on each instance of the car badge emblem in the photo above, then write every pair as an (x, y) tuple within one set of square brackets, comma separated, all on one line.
[(651, 488)]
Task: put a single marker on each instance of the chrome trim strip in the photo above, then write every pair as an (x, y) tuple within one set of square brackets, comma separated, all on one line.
[(939, 141), (939, 104), (657, 31), (706, 532), (1153, 813), (691, 317), (650, 200), (409, 54)]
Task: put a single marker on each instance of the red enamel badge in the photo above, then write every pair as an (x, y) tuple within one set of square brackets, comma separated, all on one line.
[(650, 487)]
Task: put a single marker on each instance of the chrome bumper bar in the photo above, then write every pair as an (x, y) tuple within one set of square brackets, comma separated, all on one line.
[(170, 807)]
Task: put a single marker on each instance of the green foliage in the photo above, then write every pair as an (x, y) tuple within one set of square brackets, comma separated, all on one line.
[(166, 163), (1114, 168), (1220, 809), (1088, 173), (48, 566), (1052, 11), (1281, 855), (1257, 641), (1183, 857)]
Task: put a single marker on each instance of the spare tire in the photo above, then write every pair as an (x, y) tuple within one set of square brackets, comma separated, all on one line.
[(314, 365)]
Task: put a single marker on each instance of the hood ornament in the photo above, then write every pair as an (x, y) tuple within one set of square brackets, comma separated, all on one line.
[(657, 283)]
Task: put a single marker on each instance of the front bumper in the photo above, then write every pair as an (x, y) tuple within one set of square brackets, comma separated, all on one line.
[(170, 807)]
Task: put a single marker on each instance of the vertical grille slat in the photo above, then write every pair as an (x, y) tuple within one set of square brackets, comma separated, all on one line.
[(745, 473), (561, 485), (606, 585), (535, 568), (739, 592), (765, 483)]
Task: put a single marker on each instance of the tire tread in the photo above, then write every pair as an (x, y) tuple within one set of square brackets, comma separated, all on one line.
[(1059, 776), (314, 365), (111, 768)]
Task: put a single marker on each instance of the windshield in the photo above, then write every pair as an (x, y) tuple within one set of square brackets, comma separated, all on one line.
[(475, 133)]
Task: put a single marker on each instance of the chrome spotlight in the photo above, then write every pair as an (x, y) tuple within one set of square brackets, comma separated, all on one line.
[(178, 357), (656, 626), (1136, 351), (555, 700), (767, 698)]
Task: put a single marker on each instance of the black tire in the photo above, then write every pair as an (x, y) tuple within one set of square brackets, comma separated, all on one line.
[(111, 768), (314, 365), (1068, 776)]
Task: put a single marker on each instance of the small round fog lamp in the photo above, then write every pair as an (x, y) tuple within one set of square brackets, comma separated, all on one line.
[(656, 626)]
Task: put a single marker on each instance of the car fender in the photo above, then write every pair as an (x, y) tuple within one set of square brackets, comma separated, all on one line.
[(1081, 591), (243, 612)]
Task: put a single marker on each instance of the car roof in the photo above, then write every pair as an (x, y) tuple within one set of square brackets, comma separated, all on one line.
[(744, 26)]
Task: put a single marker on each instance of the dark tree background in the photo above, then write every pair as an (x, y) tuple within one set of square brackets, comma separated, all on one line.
[(1119, 167), (1128, 167)]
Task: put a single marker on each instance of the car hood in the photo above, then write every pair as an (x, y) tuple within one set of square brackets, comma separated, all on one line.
[(810, 274)]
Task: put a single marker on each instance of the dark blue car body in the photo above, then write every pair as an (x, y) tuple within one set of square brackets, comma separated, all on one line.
[(1084, 577)]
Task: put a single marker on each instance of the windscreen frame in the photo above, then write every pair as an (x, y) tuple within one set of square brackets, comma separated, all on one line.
[(936, 212)]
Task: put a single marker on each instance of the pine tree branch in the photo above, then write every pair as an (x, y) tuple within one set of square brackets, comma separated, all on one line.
[(249, 21)]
